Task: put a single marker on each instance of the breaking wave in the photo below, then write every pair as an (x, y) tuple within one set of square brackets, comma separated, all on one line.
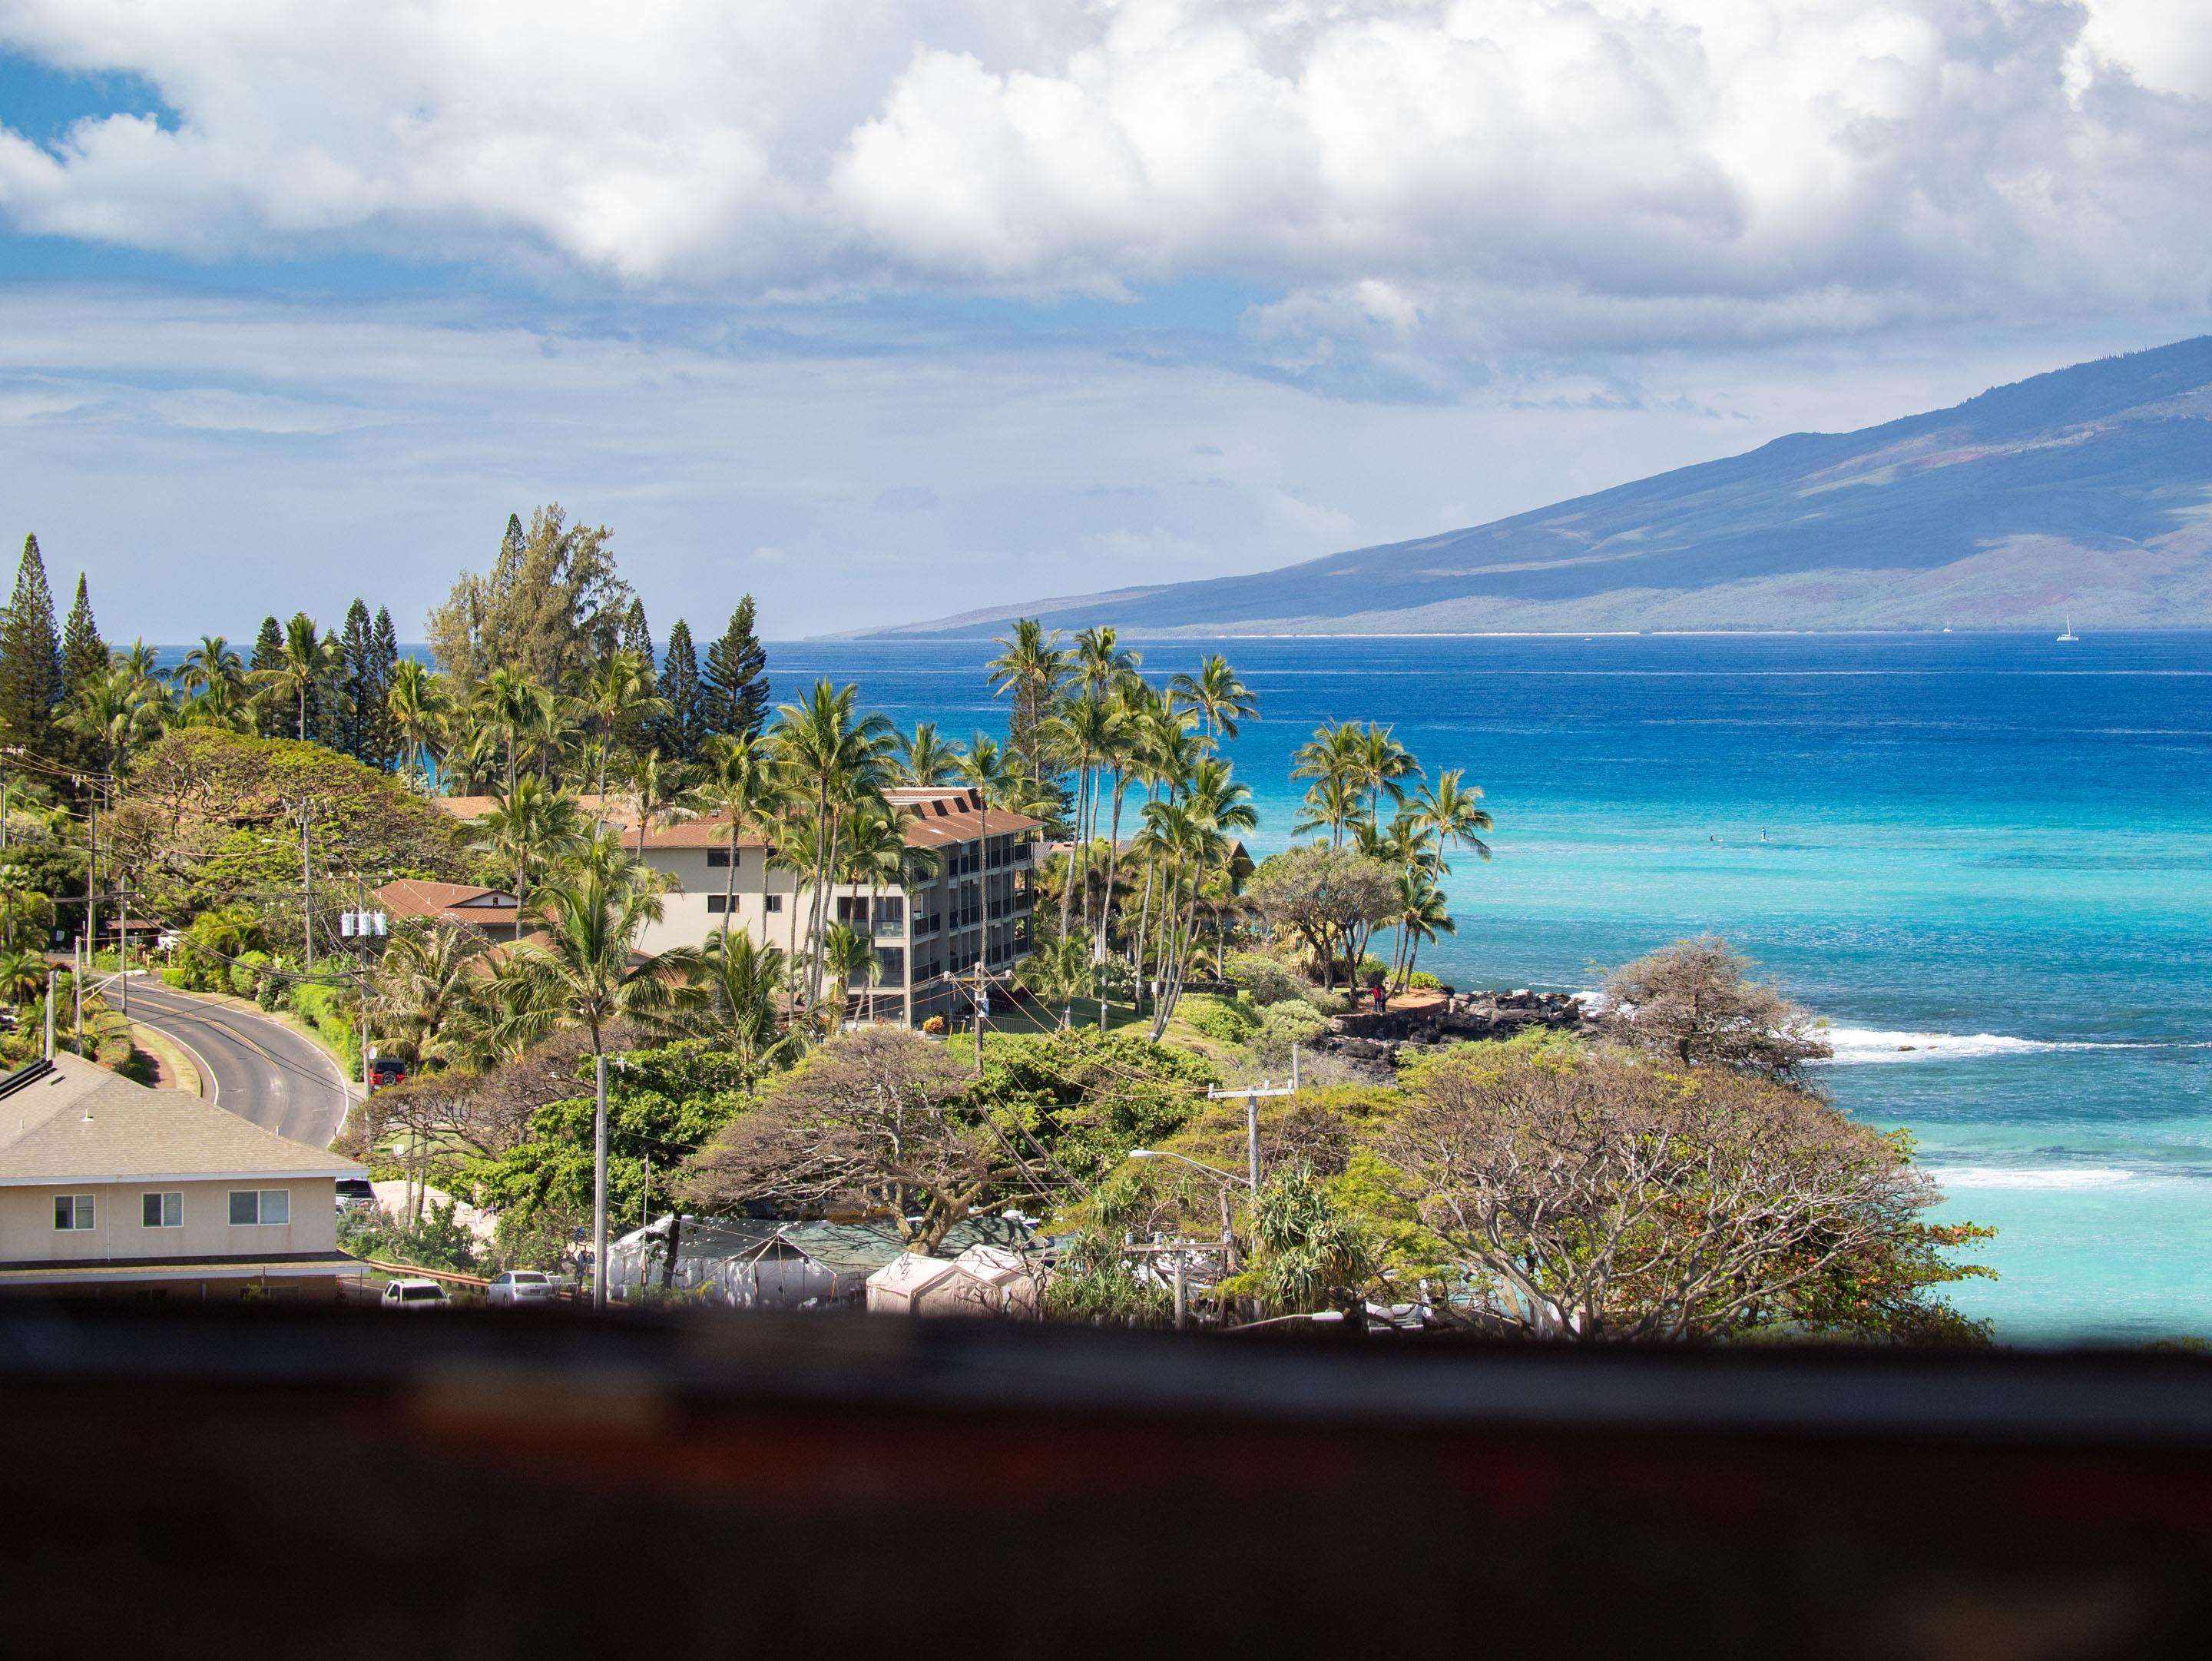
[(2030, 1177), (1857, 1045)]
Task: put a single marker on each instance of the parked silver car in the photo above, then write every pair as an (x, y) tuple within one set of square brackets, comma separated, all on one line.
[(415, 1295), (511, 1288)]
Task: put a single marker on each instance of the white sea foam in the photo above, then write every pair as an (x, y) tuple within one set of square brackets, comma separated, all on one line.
[(1854, 1045), (2030, 1177)]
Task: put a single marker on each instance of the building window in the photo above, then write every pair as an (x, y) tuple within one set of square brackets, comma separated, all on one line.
[(73, 1211), (772, 902), (718, 901), (162, 1210), (718, 859), (254, 1205), (891, 911), (891, 961), (852, 908)]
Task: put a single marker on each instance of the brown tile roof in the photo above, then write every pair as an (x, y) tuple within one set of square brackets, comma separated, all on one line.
[(448, 901), (79, 1123), (943, 815)]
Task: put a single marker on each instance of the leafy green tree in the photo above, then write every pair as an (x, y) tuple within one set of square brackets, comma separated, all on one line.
[(551, 603), (878, 1121), (1593, 1194), (640, 726), (663, 1102), (84, 653), (359, 700), (30, 656), (384, 738), (268, 658), (735, 696), (683, 729)]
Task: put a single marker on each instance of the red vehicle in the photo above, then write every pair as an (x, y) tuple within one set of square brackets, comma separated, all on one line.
[(385, 1070)]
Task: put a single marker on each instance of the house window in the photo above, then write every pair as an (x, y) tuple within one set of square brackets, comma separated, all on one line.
[(73, 1211), (718, 901), (162, 1210), (718, 859), (772, 902), (252, 1206)]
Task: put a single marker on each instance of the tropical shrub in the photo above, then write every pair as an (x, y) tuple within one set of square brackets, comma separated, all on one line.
[(1266, 978), (1283, 1025), (1219, 1018)]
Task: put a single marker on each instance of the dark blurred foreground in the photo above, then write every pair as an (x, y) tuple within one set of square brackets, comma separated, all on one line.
[(340, 1483)]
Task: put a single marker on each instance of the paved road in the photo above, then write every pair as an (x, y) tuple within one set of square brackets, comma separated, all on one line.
[(259, 1070)]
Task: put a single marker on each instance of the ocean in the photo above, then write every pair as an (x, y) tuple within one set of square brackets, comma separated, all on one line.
[(1986, 860)]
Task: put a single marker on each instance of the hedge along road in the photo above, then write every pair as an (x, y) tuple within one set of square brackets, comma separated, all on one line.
[(258, 1068)]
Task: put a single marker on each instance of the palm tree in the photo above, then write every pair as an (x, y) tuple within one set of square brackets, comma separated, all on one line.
[(114, 711), (1453, 810), (1421, 915), (528, 827), (656, 794), (847, 955), (507, 702), (619, 698), (835, 759), (1082, 733), (1383, 765), (423, 990), (418, 702), (1220, 699), (1055, 972), (586, 966), (1030, 664), (214, 663), (23, 977), (925, 758), (742, 788), (742, 980), (310, 660), (983, 767)]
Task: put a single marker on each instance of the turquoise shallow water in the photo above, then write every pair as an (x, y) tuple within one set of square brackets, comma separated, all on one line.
[(1986, 860)]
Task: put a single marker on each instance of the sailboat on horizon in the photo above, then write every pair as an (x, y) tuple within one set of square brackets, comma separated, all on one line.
[(2070, 635)]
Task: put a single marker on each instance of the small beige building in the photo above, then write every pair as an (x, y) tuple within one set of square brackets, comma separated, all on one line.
[(108, 1189)]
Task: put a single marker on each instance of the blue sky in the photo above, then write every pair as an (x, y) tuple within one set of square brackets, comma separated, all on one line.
[(882, 310)]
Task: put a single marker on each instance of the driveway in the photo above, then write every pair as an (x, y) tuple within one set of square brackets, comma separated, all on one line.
[(258, 1068)]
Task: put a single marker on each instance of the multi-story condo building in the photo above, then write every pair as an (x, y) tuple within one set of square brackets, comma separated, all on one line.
[(973, 908)]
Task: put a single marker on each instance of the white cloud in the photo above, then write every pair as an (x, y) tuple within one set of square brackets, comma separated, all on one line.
[(207, 461), (1460, 176)]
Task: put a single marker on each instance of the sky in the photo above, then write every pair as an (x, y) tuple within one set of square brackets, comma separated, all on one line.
[(885, 309)]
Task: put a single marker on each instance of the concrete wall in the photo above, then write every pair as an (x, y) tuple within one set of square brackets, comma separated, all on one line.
[(27, 1233)]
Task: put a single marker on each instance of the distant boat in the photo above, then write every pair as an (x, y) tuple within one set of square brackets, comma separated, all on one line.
[(2070, 635), (1947, 628)]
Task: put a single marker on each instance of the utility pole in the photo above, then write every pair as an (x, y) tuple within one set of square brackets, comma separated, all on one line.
[(76, 989), (306, 884), (91, 896), (1252, 1093), (645, 1198), (599, 1187), (50, 1012), (361, 923)]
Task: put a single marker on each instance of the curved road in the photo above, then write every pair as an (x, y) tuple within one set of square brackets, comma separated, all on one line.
[(259, 1070)]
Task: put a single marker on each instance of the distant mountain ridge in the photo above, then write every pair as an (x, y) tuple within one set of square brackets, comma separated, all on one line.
[(2086, 491)]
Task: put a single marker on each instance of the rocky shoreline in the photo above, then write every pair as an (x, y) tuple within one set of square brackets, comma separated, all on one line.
[(1380, 1036)]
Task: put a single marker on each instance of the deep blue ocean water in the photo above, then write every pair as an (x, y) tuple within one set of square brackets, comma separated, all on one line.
[(1986, 860)]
